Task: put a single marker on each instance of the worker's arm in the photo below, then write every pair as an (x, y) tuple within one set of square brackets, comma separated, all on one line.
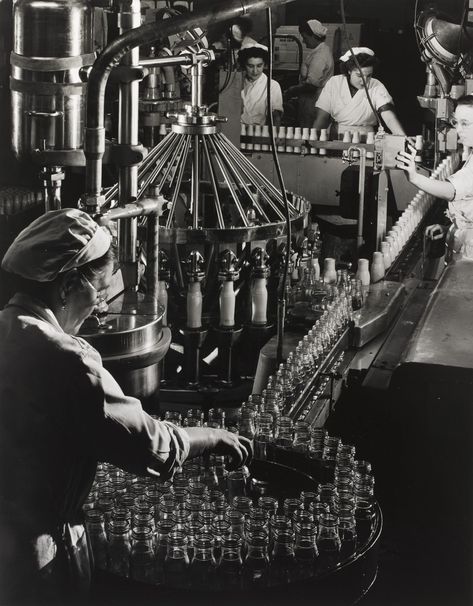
[(322, 119), (277, 117), (392, 122), (440, 189)]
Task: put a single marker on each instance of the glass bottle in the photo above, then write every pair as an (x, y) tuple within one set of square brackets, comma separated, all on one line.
[(163, 529), (283, 560), (247, 424), (203, 566), (305, 551), (220, 527), (229, 569), (301, 441), (119, 547), (176, 562), (236, 485), (264, 436), (237, 522), (95, 525), (347, 532), (142, 566), (256, 565), (268, 504), (328, 541)]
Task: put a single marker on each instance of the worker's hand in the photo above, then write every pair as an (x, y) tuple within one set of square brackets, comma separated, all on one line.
[(405, 160), (291, 92), (222, 442), (237, 448), (435, 232)]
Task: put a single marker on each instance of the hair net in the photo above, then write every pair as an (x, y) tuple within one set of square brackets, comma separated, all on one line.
[(57, 241)]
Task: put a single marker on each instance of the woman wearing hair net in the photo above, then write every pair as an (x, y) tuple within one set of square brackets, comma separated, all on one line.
[(61, 411), (344, 100), (316, 69)]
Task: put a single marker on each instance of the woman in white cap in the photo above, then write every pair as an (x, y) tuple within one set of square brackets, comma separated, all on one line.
[(457, 189), (61, 411), (316, 69), (344, 100), (253, 61)]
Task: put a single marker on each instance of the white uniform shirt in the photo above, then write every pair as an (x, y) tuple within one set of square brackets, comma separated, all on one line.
[(317, 66), (254, 102), (350, 112), (460, 209)]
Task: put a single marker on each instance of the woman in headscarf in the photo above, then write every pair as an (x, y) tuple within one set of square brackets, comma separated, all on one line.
[(61, 412), (316, 69), (253, 61), (344, 99)]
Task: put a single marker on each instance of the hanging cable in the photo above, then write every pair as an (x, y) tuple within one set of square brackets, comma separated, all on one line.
[(350, 48), (282, 284)]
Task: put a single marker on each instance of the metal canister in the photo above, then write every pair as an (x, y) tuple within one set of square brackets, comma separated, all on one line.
[(52, 40)]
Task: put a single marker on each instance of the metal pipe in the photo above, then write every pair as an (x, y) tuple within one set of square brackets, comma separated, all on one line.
[(213, 180), (146, 206), (152, 256), (157, 151), (361, 191), (230, 187), (129, 18), (254, 176), (240, 178), (174, 60), (253, 171), (178, 184), (94, 140), (195, 190), (197, 74)]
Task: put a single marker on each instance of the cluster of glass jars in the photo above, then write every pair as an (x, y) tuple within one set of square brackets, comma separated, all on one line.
[(209, 529)]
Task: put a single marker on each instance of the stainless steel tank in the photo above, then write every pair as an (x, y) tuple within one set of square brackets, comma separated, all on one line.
[(52, 40)]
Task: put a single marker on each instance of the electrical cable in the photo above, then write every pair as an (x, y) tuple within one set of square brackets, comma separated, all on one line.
[(350, 48), (285, 271)]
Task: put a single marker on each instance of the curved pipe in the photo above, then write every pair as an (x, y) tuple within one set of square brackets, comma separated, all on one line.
[(94, 140)]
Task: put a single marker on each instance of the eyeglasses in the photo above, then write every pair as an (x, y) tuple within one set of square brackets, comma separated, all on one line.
[(460, 123), (100, 298)]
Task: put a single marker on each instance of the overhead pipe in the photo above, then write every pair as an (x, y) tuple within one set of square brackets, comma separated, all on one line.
[(94, 138)]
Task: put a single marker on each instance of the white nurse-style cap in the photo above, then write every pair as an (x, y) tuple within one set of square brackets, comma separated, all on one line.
[(356, 50), (57, 241)]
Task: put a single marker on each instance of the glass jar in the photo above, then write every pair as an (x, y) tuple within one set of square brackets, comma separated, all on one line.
[(203, 566), (328, 541), (283, 560), (95, 525), (305, 551), (176, 562), (256, 564), (142, 566), (119, 547), (229, 569)]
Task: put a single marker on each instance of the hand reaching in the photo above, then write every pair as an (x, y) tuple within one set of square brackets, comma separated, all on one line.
[(405, 160)]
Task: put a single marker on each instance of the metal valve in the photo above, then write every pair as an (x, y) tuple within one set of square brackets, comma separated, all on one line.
[(259, 259), (228, 270), (194, 265)]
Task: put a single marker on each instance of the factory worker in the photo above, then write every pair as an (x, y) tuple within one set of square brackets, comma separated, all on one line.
[(316, 69), (240, 30), (457, 189), (344, 100), (61, 411), (253, 60)]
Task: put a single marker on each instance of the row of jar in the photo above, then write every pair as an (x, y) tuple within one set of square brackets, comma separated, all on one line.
[(233, 556), (413, 215)]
